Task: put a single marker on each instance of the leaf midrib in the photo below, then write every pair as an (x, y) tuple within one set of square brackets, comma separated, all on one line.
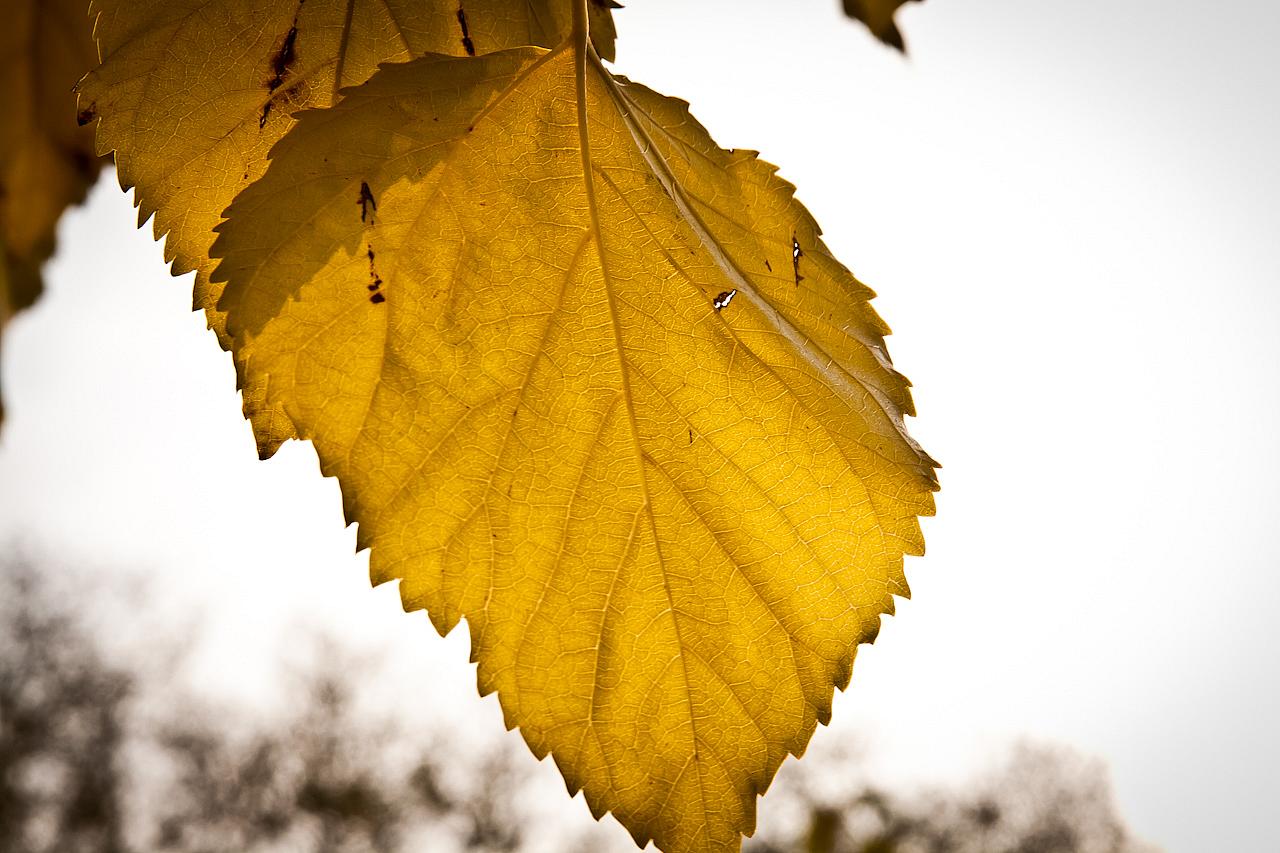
[(582, 50)]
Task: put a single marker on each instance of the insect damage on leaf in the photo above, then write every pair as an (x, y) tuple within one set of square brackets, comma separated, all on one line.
[(667, 617), (724, 299)]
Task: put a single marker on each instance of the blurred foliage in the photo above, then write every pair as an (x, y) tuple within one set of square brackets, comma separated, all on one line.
[(1043, 800), (86, 766), (62, 713)]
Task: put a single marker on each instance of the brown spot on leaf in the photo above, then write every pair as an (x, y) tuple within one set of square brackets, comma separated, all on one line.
[(367, 205), (87, 115), (375, 280), (467, 44), (768, 265), (281, 63), (284, 58), (377, 298)]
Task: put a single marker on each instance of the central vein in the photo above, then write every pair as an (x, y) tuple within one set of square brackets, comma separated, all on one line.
[(582, 50)]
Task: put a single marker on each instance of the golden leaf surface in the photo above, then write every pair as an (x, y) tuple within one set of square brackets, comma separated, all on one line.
[(191, 95), (878, 16), (595, 384), (46, 161)]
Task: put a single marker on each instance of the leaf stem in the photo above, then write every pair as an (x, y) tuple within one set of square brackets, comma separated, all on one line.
[(581, 25)]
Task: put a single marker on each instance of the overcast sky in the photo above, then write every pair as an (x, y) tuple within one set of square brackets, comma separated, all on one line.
[(1069, 211)]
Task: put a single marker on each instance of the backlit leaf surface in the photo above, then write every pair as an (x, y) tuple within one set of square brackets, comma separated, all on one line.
[(46, 160), (193, 93), (595, 384), (878, 16)]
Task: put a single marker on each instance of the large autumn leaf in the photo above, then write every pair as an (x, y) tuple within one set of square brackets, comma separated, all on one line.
[(46, 161), (191, 95), (595, 384), (878, 16)]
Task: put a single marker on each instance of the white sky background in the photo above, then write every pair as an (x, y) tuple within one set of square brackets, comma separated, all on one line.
[(1069, 210)]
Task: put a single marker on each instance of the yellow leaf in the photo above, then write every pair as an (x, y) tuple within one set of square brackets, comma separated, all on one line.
[(46, 160), (596, 385), (878, 16), (193, 93)]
